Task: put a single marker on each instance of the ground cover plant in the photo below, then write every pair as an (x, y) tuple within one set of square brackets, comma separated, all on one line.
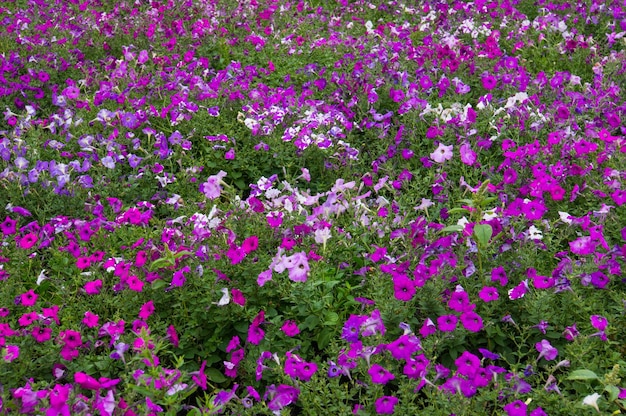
[(312, 207)]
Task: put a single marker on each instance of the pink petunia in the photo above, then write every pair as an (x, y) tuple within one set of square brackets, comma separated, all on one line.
[(238, 297), (90, 320), (10, 353), (212, 188), (468, 156), (250, 244), (147, 309), (290, 328), (93, 288), (29, 298), (582, 246), (546, 350), (442, 153), (28, 241)]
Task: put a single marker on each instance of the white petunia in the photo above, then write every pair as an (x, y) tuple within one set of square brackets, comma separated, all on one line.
[(592, 400)]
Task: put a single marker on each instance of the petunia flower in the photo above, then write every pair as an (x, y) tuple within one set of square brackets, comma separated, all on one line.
[(546, 350), (447, 323), (592, 400), (290, 328), (212, 188), (380, 375), (385, 405), (583, 246), (442, 153)]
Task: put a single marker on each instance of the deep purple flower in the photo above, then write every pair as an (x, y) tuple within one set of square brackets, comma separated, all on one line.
[(599, 280), (350, 331)]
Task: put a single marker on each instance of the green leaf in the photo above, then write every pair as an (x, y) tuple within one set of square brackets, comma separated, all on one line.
[(323, 338), (331, 319), (452, 228), (483, 233), (182, 253), (215, 375), (311, 322), (582, 374), (613, 392), (158, 284), (161, 263), (454, 210)]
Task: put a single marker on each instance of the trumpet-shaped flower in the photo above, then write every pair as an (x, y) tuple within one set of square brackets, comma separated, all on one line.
[(546, 350), (442, 153)]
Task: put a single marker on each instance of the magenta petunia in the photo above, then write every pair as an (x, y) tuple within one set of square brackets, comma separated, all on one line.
[(582, 246), (471, 321), (238, 297), (27, 241), (447, 323), (599, 322), (488, 294), (489, 81), (147, 309), (10, 353), (290, 328), (90, 320), (8, 226), (93, 288), (459, 300), (29, 298), (403, 287), (467, 364), (250, 244), (516, 408), (404, 347), (71, 338), (546, 350), (380, 375), (41, 334), (172, 335), (428, 328), (385, 405)]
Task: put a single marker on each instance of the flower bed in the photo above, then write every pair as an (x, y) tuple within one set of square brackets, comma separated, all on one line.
[(312, 207)]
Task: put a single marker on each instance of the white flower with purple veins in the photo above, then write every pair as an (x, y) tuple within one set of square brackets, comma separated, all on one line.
[(442, 153), (21, 163), (108, 162), (212, 188)]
